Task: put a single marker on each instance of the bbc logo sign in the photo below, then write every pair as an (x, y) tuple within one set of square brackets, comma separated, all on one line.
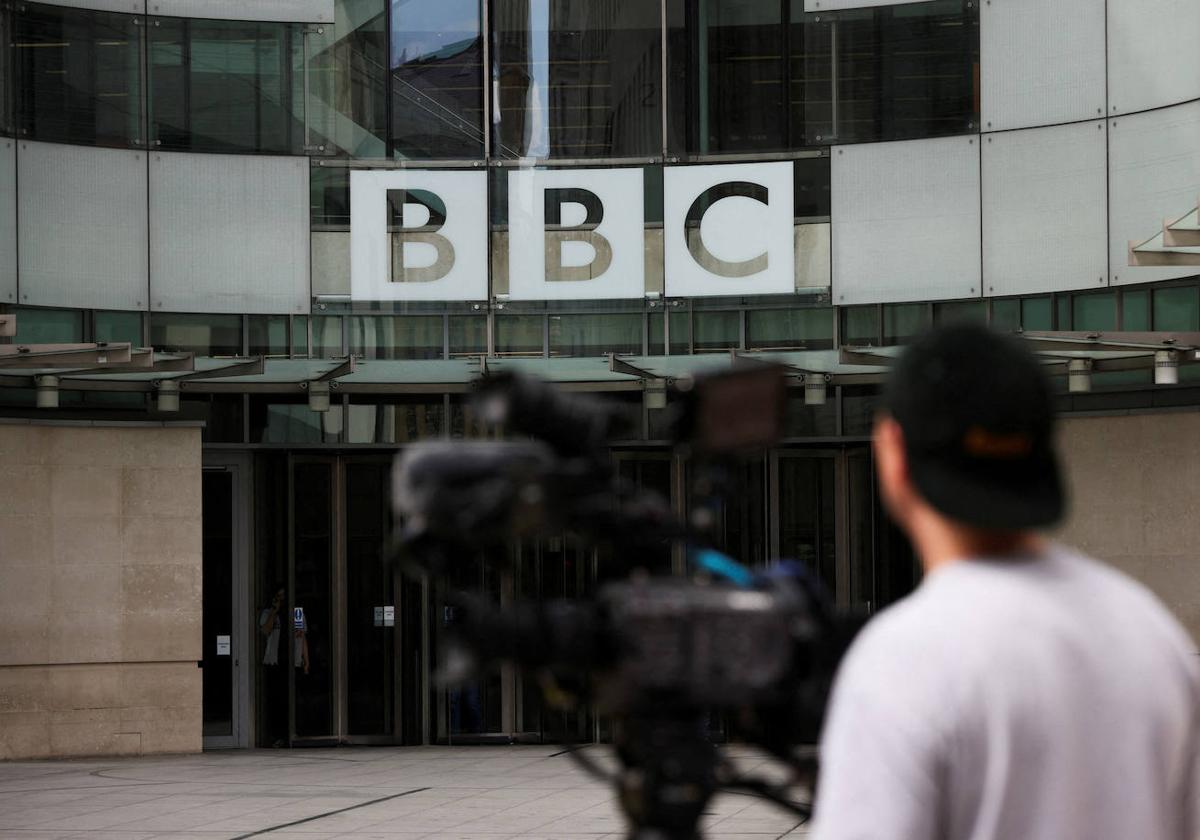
[(573, 234)]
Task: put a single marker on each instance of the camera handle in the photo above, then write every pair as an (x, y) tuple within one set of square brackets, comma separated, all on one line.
[(668, 774)]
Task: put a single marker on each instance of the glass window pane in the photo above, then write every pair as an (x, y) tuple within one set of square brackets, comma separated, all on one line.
[(221, 414), (717, 331), (226, 86), (1094, 312), (958, 311), (437, 79), (595, 335), (903, 321), (79, 76), (204, 335), (468, 335), (1006, 314), (577, 79), (119, 326), (519, 335), (399, 420), (786, 329), (278, 419), (681, 339), (1135, 311), (811, 189), (300, 336), (329, 197), (268, 335), (1062, 305), (327, 336), (907, 71), (1036, 314), (396, 336), (6, 97), (49, 326), (347, 81), (1177, 309), (860, 325)]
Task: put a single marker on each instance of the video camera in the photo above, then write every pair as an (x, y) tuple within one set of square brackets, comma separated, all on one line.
[(659, 653)]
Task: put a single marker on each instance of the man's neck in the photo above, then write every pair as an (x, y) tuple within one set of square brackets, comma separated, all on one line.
[(940, 542)]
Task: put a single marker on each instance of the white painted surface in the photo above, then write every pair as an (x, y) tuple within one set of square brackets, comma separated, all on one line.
[(1154, 177), (1042, 63), (82, 226), (8, 221), (229, 233), (286, 11), (906, 221), (1153, 53), (834, 5), (1045, 219), (466, 227), (621, 194), (137, 7), (734, 229)]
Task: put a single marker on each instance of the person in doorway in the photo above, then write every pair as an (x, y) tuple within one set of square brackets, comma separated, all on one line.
[(1023, 690)]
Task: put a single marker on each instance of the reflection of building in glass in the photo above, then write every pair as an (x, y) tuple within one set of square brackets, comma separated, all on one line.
[(183, 187)]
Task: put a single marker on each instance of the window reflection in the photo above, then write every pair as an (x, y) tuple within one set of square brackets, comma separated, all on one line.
[(79, 76), (576, 79), (437, 79), (595, 335), (204, 335), (226, 86), (347, 81)]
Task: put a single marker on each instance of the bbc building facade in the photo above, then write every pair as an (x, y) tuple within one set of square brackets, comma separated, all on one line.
[(249, 251)]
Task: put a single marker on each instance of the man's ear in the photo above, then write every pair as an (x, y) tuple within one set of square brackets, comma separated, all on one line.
[(891, 462)]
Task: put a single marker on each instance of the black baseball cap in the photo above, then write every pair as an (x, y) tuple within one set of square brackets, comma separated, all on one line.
[(978, 419)]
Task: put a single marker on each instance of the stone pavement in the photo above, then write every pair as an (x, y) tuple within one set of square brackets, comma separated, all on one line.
[(370, 793)]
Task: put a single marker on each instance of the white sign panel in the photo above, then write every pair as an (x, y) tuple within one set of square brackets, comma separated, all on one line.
[(222, 646), (729, 229), (389, 616), (576, 234), (836, 5), (418, 235), (378, 616)]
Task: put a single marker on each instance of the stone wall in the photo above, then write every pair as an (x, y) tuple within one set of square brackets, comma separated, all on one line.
[(100, 590), (1134, 481)]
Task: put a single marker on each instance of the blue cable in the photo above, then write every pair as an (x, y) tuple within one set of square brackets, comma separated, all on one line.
[(722, 565)]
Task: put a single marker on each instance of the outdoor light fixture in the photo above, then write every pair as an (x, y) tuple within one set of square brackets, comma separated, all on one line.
[(47, 391), (1166, 367), (168, 395), (318, 395), (656, 393), (814, 388), (1079, 376)]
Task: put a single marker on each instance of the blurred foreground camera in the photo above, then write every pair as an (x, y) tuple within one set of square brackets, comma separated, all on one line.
[(658, 654)]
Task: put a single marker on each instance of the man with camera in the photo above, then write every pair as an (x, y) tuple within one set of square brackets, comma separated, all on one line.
[(1023, 691)]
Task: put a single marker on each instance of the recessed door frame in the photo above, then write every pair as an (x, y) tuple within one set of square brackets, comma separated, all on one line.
[(242, 641)]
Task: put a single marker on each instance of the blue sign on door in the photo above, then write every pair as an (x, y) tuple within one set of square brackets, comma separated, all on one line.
[(298, 618)]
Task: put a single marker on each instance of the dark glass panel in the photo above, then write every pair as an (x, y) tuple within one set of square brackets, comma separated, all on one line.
[(118, 326), (1094, 311), (468, 335), (329, 197), (859, 404), (906, 71), (220, 413), (681, 334), (49, 326), (787, 329), (6, 76), (594, 335), (1135, 310), (300, 336), (807, 530), (860, 325), (79, 76), (810, 420), (1006, 314), (395, 420), (217, 552), (715, 331), (1062, 307), (1177, 309), (279, 419), (327, 336), (312, 573), (577, 79), (347, 82), (811, 191), (397, 336), (903, 321), (226, 86), (519, 335), (204, 335), (268, 335), (957, 311), (1037, 314), (437, 79)]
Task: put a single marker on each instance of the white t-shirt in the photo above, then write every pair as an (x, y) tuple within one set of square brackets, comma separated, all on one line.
[(1044, 698)]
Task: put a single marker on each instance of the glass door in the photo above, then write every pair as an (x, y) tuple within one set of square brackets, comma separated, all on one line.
[(808, 512), (225, 578)]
